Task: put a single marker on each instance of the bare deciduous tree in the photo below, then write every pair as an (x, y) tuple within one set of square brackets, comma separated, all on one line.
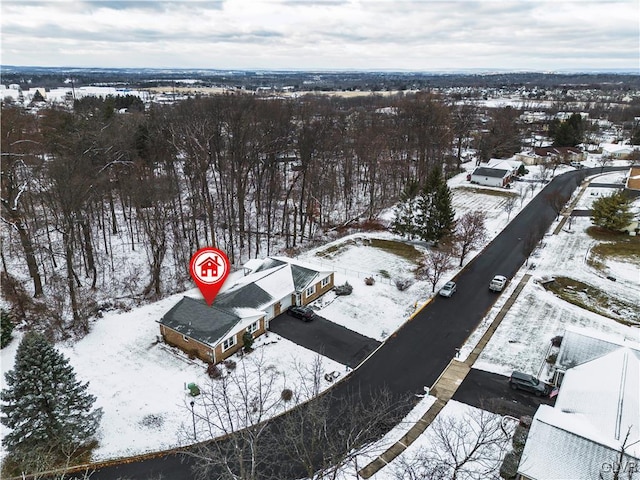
[(436, 263), (470, 233), (469, 447), (509, 204)]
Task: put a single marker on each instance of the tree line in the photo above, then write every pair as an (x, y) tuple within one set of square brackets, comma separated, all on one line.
[(83, 190)]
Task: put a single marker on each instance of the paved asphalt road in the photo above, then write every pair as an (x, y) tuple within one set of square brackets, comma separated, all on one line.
[(491, 392), (327, 338), (416, 354)]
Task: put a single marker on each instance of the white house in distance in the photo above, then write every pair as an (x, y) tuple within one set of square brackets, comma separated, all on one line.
[(593, 430), (269, 287), (616, 151)]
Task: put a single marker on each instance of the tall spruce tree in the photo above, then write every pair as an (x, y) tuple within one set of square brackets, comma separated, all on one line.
[(48, 411), (439, 220), (404, 222)]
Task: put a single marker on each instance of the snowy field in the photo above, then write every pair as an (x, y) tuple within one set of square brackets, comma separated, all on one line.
[(140, 384)]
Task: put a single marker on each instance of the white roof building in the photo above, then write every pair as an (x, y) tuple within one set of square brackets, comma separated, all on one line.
[(596, 416)]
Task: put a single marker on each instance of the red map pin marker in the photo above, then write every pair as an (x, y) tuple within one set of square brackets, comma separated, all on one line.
[(209, 268)]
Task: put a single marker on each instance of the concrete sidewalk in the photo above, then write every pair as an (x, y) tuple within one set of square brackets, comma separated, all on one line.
[(443, 389)]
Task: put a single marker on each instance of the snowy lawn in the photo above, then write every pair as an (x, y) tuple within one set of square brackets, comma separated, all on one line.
[(522, 339)]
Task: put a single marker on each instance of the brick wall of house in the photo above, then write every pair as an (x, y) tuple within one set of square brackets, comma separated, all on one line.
[(190, 346), (220, 355), (319, 291), (202, 351)]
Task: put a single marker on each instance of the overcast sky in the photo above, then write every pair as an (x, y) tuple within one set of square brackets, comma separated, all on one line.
[(419, 35)]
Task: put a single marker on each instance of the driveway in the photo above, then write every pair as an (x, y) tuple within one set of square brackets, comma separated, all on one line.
[(326, 338), (490, 391)]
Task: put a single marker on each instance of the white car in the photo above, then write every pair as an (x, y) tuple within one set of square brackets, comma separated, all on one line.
[(498, 283), (448, 289)]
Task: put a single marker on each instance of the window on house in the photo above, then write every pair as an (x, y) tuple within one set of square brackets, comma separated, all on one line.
[(310, 291), (228, 343), (253, 327), (325, 282), (185, 338)]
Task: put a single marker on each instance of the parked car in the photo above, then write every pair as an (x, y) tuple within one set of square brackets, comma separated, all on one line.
[(303, 313), (498, 283), (448, 289), (529, 383), (576, 165)]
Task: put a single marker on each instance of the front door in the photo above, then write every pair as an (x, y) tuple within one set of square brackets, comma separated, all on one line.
[(298, 298), (276, 309)]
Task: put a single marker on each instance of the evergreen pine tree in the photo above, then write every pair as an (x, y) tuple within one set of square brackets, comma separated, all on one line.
[(612, 212), (437, 220), (45, 407), (404, 222), (6, 328)]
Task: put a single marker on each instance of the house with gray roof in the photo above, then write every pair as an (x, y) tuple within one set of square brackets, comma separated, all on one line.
[(593, 430), (268, 288), (491, 177)]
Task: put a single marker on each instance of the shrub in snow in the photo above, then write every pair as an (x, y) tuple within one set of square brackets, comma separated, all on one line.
[(48, 411), (369, 280), (247, 341), (556, 341), (287, 394), (214, 371), (344, 289), (403, 283), (230, 364)]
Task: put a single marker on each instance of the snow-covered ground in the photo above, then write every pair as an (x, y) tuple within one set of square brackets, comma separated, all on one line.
[(140, 384)]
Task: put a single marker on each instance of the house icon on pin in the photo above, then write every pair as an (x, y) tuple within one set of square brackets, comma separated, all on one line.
[(209, 266)]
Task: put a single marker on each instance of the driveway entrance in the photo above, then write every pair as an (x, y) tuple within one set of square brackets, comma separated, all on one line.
[(326, 338)]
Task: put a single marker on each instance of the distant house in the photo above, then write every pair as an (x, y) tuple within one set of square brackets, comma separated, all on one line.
[(491, 177), (542, 155), (269, 287), (593, 429), (616, 151)]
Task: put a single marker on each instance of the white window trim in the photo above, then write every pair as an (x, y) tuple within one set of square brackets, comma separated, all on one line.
[(310, 291), (325, 281), (232, 339), (253, 327)]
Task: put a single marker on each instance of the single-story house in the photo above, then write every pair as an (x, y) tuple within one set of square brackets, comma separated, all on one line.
[(593, 429), (268, 288), (491, 177), (616, 151), (580, 345), (542, 155)]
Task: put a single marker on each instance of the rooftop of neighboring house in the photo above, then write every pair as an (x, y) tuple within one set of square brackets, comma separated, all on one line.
[(580, 345), (595, 414), (633, 182), (552, 151), (491, 172)]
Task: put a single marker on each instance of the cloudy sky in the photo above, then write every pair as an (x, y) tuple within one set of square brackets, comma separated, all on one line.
[(540, 35)]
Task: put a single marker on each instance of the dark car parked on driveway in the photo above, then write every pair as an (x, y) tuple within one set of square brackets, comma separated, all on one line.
[(524, 381), (303, 313)]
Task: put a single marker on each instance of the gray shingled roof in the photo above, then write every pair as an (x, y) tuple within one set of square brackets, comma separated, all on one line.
[(302, 276), (490, 172), (195, 319), (247, 296)]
